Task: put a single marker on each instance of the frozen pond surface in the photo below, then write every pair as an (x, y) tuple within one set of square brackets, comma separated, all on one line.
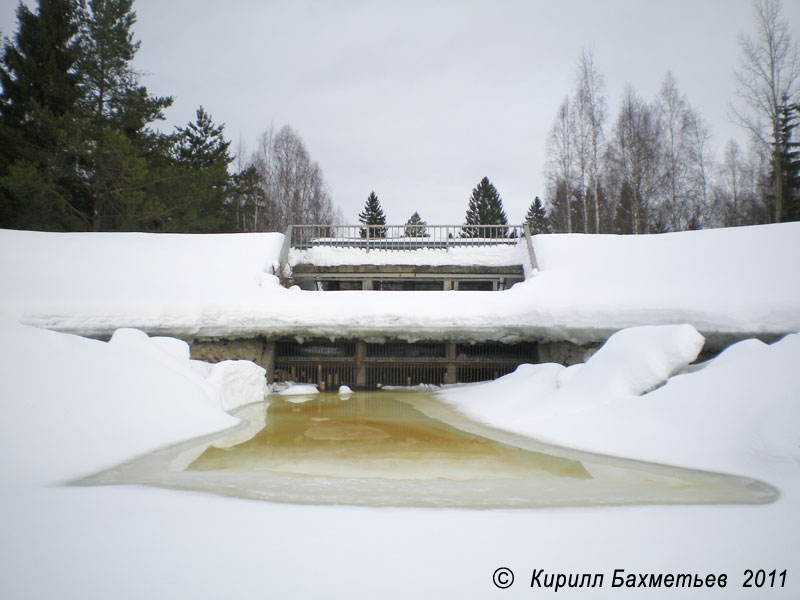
[(407, 449)]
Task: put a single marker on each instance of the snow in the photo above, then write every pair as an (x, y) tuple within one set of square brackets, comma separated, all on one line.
[(70, 406), (301, 389), (488, 256), (729, 284), (345, 390), (99, 403), (94, 284), (737, 414)]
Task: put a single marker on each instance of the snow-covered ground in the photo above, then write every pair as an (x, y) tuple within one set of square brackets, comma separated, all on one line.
[(727, 283), (71, 405)]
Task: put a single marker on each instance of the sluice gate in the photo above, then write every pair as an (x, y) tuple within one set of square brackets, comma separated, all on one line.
[(359, 364)]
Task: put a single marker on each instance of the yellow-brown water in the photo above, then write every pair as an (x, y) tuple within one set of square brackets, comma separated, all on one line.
[(378, 436), (407, 449)]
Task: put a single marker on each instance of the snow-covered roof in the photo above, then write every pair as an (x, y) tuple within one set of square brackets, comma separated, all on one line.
[(499, 255)]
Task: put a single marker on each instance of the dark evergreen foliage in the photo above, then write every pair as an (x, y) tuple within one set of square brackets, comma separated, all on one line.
[(37, 69), (77, 150), (372, 215), (39, 88), (203, 185), (415, 227), (485, 208), (790, 159), (536, 218)]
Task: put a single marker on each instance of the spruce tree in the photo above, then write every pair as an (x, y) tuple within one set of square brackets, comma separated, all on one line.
[(415, 227), (200, 184), (37, 70), (372, 215), (202, 144), (790, 159), (536, 218), (38, 92), (485, 208)]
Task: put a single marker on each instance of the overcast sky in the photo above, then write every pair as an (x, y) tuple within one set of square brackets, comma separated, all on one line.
[(420, 100)]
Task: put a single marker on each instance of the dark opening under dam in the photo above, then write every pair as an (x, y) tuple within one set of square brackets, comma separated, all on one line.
[(360, 364)]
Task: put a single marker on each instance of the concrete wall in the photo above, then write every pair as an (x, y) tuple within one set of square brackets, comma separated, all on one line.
[(565, 353), (257, 350)]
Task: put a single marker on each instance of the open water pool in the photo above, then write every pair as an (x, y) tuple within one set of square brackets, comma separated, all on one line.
[(403, 448)]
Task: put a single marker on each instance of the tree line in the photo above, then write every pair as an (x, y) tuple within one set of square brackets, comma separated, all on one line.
[(652, 169), (485, 207), (79, 149)]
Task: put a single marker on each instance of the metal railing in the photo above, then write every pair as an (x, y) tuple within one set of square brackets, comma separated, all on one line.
[(402, 237)]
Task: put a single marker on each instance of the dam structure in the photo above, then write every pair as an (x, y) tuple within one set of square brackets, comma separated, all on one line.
[(398, 258)]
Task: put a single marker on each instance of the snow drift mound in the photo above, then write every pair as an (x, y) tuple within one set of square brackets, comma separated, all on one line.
[(71, 406), (738, 413)]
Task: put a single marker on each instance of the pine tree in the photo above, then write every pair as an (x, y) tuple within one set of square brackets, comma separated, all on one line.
[(485, 208), (124, 157), (112, 86), (415, 227), (372, 215), (536, 218)]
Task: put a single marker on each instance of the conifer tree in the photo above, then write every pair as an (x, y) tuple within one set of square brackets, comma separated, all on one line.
[(111, 85), (123, 157), (536, 218), (789, 158), (372, 215), (485, 208), (37, 71), (200, 182), (415, 227), (38, 92), (202, 144)]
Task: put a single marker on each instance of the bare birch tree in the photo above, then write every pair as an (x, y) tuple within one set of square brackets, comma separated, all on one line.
[(292, 187), (633, 155), (561, 158), (592, 112), (767, 78), (701, 164), (672, 109)]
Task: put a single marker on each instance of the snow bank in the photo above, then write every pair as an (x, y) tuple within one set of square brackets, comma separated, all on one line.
[(95, 283), (739, 280), (630, 363), (728, 284), (70, 405), (238, 382), (737, 414)]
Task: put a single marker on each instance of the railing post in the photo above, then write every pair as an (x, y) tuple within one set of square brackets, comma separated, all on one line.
[(367, 227), (531, 254), (284, 256)]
